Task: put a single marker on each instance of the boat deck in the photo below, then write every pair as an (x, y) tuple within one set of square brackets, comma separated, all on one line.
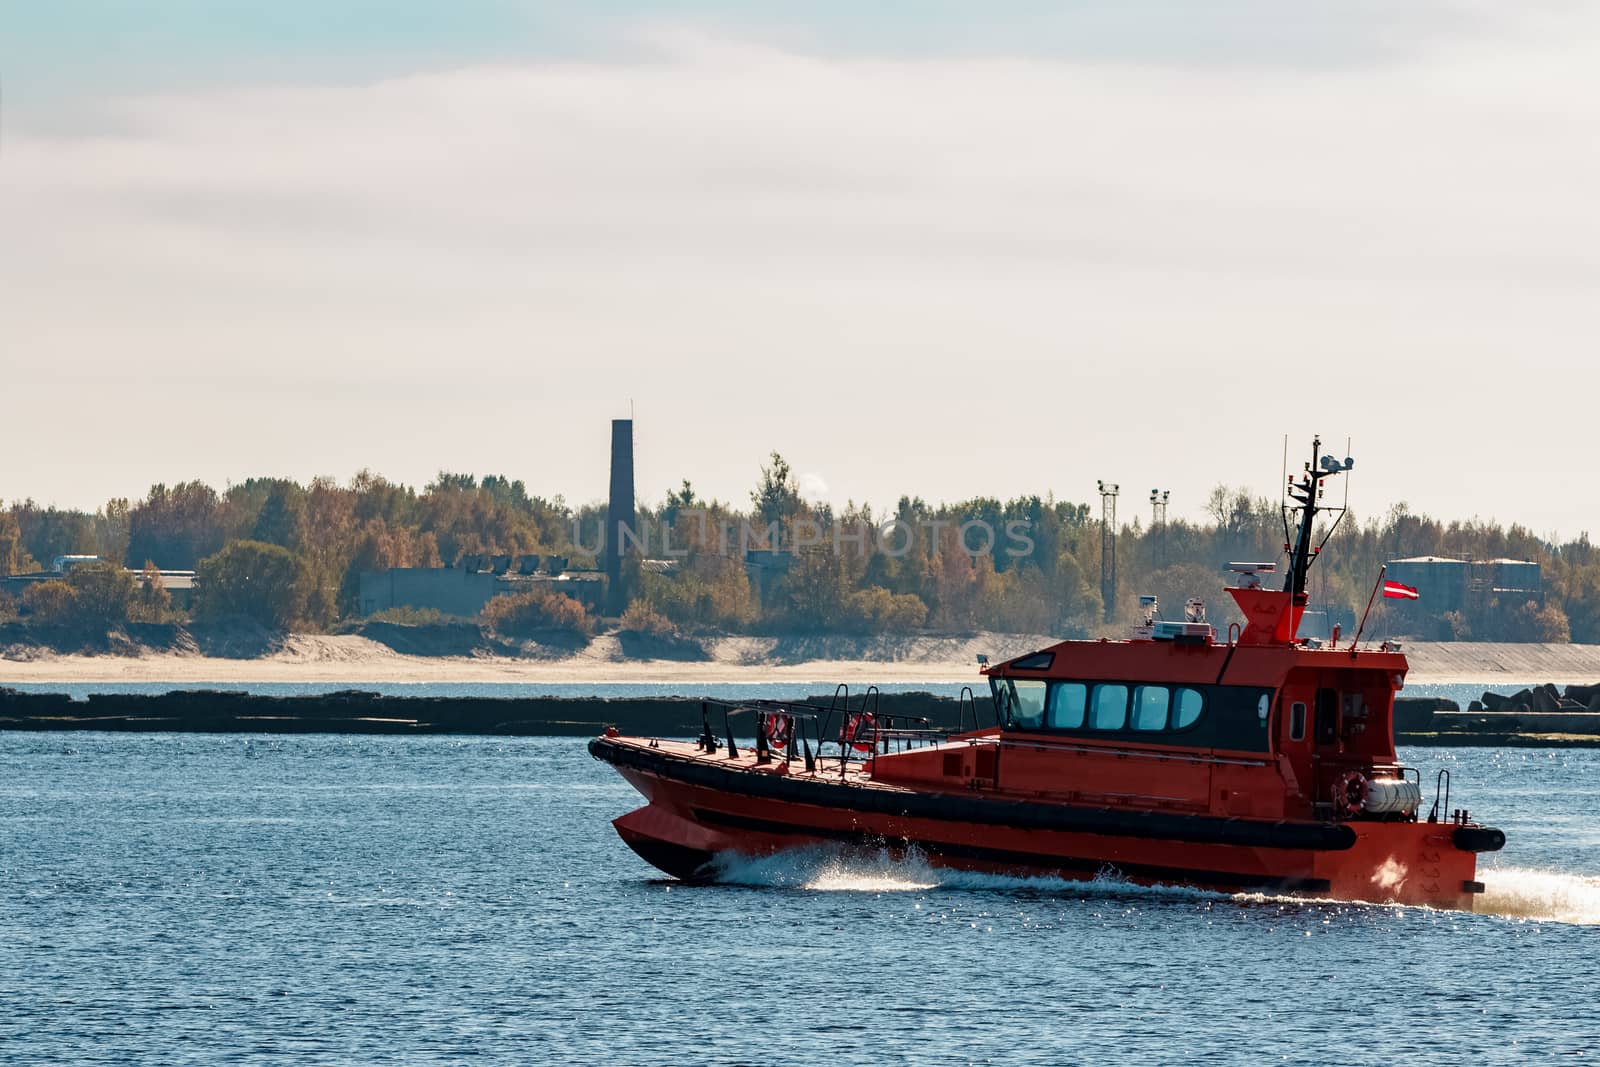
[(826, 772)]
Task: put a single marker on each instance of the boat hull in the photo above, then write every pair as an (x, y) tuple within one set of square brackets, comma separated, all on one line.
[(703, 805)]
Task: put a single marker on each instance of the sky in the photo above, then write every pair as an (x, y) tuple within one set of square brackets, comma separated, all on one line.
[(940, 249)]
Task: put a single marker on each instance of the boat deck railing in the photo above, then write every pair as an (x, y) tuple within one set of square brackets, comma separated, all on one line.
[(841, 730)]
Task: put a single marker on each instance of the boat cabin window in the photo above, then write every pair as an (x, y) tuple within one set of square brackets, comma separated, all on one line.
[(1067, 703), (1155, 707), (1150, 707), (1297, 722), (1186, 707), (1110, 707), (1204, 715), (1026, 706), (1353, 716)]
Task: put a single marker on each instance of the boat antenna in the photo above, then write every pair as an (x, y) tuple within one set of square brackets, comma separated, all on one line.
[(1346, 505), (1305, 496), (1283, 498)]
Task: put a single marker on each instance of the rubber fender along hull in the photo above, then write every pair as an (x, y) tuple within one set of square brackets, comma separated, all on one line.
[(1014, 814), (1478, 839)]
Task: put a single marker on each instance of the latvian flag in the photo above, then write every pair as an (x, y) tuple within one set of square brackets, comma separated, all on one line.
[(1396, 591)]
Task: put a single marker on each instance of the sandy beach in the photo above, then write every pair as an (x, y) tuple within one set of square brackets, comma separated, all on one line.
[(354, 659), (930, 660)]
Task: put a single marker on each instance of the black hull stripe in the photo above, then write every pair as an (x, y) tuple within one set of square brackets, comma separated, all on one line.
[(1024, 861), (1015, 814)]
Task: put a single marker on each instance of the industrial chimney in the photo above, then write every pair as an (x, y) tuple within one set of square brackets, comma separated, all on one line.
[(619, 513)]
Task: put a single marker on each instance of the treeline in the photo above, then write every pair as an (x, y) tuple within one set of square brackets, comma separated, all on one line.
[(291, 556)]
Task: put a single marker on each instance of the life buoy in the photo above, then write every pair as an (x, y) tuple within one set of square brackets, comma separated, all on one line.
[(1349, 794), (777, 730), (859, 732)]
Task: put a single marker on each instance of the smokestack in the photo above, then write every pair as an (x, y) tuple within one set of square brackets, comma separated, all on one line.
[(619, 512)]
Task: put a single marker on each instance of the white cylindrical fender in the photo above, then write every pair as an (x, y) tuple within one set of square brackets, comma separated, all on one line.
[(1389, 796)]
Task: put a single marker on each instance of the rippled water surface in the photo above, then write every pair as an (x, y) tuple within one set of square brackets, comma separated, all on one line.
[(310, 899)]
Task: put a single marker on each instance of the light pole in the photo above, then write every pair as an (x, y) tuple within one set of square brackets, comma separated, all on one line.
[(1158, 506), (1158, 519), (1108, 548)]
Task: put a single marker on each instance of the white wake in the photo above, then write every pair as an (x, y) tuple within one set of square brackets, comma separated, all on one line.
[(1548, 896), (1511, 892), (864, 871)]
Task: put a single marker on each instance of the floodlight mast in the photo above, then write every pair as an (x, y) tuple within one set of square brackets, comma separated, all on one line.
[(1108, 547), (1304, 495), (1158, 506)]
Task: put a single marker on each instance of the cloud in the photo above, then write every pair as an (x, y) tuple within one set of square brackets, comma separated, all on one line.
[(1036, 257), (720, 147)]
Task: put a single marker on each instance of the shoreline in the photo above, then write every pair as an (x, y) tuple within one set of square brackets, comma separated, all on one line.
[(729, 661), (190, 671)]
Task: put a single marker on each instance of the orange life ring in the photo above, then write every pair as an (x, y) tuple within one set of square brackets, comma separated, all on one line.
[(1349, 794), (777, 729), (859, 732)]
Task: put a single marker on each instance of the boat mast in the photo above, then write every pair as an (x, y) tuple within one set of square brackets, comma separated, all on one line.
[(1305, 494)]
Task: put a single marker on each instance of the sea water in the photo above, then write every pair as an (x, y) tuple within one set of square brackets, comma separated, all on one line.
[(208, 899)]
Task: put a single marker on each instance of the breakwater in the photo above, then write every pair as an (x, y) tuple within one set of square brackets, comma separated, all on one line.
[(359, 712), (1538, 716), (1418, 720)]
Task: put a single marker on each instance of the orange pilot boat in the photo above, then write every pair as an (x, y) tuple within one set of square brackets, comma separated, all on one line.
[(1258, 762)]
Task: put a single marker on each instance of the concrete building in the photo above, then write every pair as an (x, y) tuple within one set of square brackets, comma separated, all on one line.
[(179, 584), (464, 590), (1470, 589), (1441, 582), (764, 567), (1509, 576), (1465, 585), (16, 584)]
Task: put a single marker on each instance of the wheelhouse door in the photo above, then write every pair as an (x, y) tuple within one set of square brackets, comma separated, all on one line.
[(1309, 734)]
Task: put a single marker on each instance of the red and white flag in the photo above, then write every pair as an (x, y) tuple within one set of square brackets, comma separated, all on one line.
[(1396, 591)]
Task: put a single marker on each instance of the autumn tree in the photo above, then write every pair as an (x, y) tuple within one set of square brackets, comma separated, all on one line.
[(152, 602), (776, 497), (282, 516), (50, 603), (14, 558), (641, 617), (378, 498), (378, 547), (104, 594), (466, 518), (679, 500), (876, 610), (262, 582), (92, 596), (48, 532), (813, 595), (534, 612), (112, 530), (1579, 591), (175, 527), (324, 545)]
